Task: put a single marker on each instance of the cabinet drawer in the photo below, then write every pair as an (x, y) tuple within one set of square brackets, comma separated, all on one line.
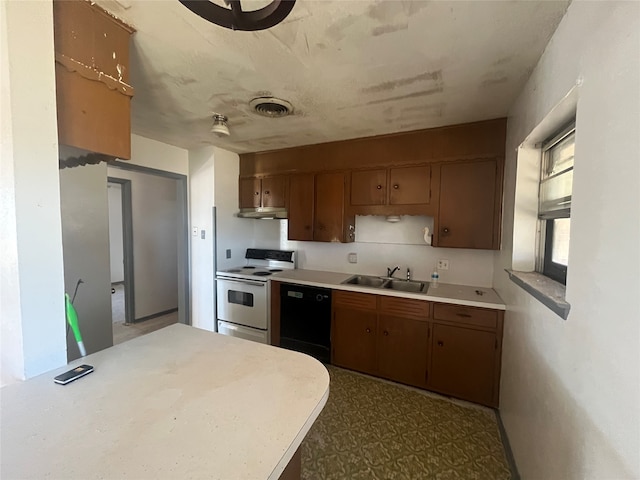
[(404, 307), (353, 300), (480, 317)]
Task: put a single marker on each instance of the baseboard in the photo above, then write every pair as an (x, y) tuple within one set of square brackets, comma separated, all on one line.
[(155, 315), (507, 448)]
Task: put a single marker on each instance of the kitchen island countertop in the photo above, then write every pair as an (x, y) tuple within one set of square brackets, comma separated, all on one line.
[(177, 403), (443, 293)]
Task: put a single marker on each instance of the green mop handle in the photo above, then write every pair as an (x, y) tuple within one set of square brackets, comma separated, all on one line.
[(72, 319)]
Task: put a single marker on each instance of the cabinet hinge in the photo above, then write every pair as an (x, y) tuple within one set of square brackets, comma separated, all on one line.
[(428, 332), (496, 344)]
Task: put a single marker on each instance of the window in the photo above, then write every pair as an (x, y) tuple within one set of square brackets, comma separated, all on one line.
[(554, 211)]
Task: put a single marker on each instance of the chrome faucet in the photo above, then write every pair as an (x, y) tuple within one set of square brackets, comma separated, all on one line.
[(391, 272)]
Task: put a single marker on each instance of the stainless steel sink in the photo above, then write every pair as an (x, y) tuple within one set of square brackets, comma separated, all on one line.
[(407, 286), (366, 281), (388, 283)]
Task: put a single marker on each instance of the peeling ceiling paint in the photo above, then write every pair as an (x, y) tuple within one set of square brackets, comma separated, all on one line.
[(350, 68)]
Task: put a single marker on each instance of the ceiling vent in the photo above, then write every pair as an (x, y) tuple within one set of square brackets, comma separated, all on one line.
[(271, 107)]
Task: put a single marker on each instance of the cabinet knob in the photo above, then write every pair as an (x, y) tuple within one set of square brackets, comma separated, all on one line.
[(385, 333), (379, 187), (368, 330), (266, 192), (396, 186), (440, 343), (257, 193), (445, 230)]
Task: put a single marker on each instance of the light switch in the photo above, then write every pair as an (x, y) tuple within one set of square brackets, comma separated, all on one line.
[(194, 231), (202, 234), (228, 253)]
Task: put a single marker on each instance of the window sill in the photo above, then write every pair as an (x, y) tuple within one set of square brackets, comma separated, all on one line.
[(549, 292)]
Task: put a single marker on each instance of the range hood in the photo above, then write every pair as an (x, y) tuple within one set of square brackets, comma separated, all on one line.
[(263, 212)]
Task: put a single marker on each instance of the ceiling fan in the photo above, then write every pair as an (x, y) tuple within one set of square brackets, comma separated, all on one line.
[(237, 19)]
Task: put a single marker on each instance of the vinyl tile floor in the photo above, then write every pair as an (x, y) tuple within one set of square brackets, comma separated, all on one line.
[(374, 429)]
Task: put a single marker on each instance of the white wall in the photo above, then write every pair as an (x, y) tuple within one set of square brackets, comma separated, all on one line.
[(161, 156), (32, 282), (201, 194), (236, 234), (570, 389), (155, 241), (380, 244), (116, 251), (85, 241)]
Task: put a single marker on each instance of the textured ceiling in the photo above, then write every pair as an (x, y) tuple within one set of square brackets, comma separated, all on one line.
[(350, 68)]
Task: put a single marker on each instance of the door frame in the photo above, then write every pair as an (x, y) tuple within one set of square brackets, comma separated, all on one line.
[(184, 271), (127, 249)]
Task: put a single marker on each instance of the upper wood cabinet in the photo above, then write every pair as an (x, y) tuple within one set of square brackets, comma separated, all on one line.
[(331, 222), (300, 206), (393, 186), (92, 71), (262, 192), (469, 205)]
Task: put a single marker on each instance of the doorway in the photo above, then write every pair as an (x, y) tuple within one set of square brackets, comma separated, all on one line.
[(149, 249)]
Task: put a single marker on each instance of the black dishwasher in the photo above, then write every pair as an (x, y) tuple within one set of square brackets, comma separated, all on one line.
[(305, 320)]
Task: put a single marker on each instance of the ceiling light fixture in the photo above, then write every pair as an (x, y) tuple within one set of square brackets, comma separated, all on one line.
[(237, 19), (220, 126)]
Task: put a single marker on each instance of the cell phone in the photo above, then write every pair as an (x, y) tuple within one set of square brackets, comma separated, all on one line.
[(74, 374)]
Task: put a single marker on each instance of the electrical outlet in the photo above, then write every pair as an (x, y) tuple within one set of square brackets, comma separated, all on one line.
[(443, 264), (194, 231), (228, 253), (353, 258)]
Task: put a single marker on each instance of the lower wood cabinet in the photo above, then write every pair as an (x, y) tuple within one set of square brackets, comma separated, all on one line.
[(463, 363), (403, 349), (450, 349)]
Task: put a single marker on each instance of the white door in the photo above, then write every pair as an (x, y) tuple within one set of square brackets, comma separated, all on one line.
[(238, 331)]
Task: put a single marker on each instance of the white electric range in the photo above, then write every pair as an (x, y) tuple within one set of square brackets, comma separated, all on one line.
[(244, 294)]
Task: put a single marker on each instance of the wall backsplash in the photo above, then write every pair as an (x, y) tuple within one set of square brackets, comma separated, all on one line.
[(380, 244)]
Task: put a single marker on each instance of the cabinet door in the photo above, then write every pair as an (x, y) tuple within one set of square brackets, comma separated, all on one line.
[(467, 211), (300, 211), (369, 187), (329, 208), (410, 185), (463, 363), (353, 339), (403, 349), (273, 191), (250, 192)]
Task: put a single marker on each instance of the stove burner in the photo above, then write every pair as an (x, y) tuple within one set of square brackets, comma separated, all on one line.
[(248, 267), (274, 270), (234, 271), (262, 274)]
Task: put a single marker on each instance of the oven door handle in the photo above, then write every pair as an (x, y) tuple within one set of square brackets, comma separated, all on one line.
[(243, 282)]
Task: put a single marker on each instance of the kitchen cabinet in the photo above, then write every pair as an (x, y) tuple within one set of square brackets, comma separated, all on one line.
[(393, 186), (353, 331), (403, 349), (92, 70), (469, 205), (331, 222), (300, 207), (384, 336), (263, 192), (316, 208), (466, 351), (463, 363)]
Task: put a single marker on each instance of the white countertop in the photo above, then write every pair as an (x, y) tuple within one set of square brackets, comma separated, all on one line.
[(443, 293), (177, 403)]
